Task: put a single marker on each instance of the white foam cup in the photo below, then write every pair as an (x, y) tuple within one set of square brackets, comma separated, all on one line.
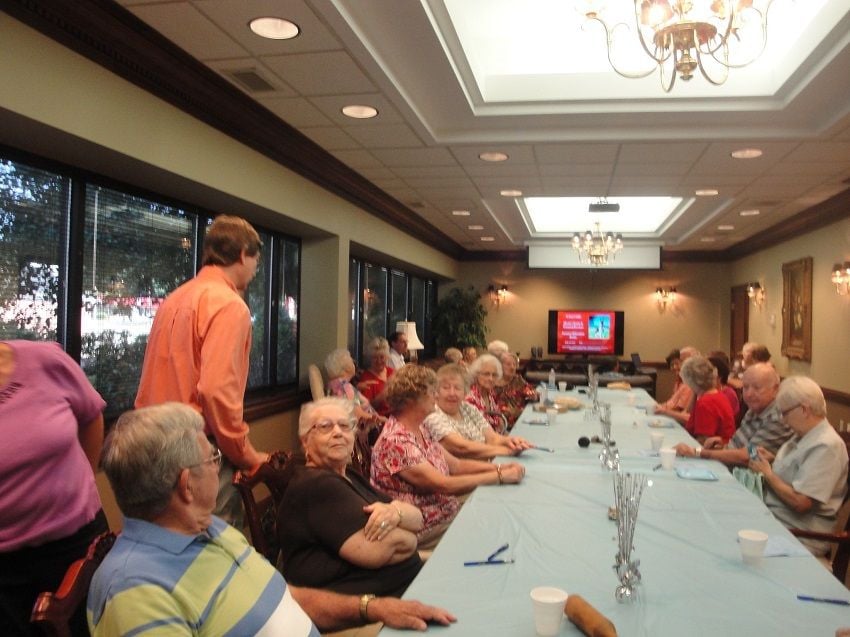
[(667, 455), (548, 603), (752, 544)]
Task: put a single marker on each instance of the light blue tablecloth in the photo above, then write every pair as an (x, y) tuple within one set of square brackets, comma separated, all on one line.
[(694, 582)]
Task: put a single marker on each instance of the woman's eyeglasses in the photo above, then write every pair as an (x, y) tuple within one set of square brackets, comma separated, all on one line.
[(326, 426)]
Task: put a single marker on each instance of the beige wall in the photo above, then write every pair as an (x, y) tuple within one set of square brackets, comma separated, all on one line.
[(831, 313), (699, 317)]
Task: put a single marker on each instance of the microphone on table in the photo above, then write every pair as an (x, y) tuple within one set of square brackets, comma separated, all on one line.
[(584, 442)]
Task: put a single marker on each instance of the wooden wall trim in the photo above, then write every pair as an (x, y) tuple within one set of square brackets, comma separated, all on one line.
[(835, 396)]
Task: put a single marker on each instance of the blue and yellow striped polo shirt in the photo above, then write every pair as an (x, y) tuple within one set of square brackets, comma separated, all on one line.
[(158, 582)]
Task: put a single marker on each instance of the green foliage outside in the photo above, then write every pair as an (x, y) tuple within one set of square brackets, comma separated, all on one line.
[(459, 320)]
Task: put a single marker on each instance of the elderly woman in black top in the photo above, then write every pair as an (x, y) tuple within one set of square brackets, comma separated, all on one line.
[(335, 530)]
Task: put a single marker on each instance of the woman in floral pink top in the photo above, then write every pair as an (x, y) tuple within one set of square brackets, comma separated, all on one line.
[(409, 465), (485, 372)]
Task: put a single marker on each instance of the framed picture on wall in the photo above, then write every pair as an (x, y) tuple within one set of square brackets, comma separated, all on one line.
[(797, 309)]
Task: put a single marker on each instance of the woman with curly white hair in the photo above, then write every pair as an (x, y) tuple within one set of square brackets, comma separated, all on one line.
[(485, 372)]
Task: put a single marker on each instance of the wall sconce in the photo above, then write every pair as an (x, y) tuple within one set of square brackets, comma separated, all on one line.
[(841, 277), (497, 294), (756, 293), (665, 296)]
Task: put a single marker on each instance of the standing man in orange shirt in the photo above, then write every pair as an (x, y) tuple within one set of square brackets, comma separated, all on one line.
[(197, 351)]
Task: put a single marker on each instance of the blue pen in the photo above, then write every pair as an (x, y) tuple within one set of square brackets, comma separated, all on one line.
[(501, 549), (489, 562), (825, 600)]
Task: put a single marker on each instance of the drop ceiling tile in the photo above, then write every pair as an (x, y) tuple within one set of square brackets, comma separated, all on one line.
[(411, 157), (234, 17), (517, 154), (648, 169), (661, 152), (429, 171), (327, 73), (330, 137), (331, 106), (593, 185), (820, 151), (190, 30), (576, 170), (295, 111), (439, 182), (579, 153), (384, 136), (357, 158), (502, 170)]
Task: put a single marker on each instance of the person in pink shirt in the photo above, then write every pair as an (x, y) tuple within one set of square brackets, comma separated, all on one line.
[(51, 420), (678, 406), (197, 351)]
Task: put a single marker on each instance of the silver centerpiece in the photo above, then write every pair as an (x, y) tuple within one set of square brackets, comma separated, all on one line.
[(628, 489), (609, 456)]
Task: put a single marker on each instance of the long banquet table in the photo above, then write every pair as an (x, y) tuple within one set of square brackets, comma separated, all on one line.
[(556, 522)]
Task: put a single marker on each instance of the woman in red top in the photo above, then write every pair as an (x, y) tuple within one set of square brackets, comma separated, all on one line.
[(373, 381), (711, 414)]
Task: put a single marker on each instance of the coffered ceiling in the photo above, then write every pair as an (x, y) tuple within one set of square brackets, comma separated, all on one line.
[(409, 59)]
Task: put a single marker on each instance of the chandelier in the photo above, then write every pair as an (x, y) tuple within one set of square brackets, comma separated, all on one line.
[(683, 36), (595, 248)]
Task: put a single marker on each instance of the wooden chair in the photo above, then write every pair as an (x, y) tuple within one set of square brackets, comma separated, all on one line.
[(317, 382), (261, 492), (52, 611)]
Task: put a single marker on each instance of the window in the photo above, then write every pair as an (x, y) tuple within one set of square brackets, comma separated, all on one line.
[(135, 249), (412, 299), (34, 208)]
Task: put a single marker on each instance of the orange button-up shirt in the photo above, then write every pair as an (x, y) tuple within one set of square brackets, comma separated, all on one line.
[(197, 354)]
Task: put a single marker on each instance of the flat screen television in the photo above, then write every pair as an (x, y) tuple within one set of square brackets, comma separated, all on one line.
[(590, 332)]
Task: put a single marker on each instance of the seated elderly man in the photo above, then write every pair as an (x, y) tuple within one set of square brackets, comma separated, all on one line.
[(762, 425), (806, 485), (177, 569)]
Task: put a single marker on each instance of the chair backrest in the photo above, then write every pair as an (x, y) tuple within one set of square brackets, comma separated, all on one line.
[(261, 492), (361, 455), (317, 383), (52, 611)]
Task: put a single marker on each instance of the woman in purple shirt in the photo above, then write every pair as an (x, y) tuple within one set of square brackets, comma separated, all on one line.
[(51, 425)]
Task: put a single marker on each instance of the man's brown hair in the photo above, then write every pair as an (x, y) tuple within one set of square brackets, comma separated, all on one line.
[(226, 238)]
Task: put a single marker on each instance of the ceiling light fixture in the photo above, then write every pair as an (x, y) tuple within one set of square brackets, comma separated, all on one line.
[(726, 227), (681, 36), (274, 28), (511, 193), (488, 238), (359, 111), (475, 227), (746, 153), (707, 192), (708, 239), (492, 156), (461, 213), (595, 248), (752, 212)]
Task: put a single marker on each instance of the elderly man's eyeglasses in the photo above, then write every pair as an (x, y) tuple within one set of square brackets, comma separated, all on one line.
[(785, 412), (215, 458), (326, 426)]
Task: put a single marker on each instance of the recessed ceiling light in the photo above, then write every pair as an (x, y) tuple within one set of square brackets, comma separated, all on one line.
[(274, 28), (492, 156), (749, 213), (488, 238), (708, 239), (725, 227), (511, 193), (475, 227), (746, 153), (359, 111), (706, 192), (460, 213)]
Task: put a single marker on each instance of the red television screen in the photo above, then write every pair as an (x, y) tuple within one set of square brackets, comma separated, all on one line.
[(594, 332)]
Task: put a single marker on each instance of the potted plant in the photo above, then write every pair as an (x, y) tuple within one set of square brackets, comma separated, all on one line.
[(459, 320)]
